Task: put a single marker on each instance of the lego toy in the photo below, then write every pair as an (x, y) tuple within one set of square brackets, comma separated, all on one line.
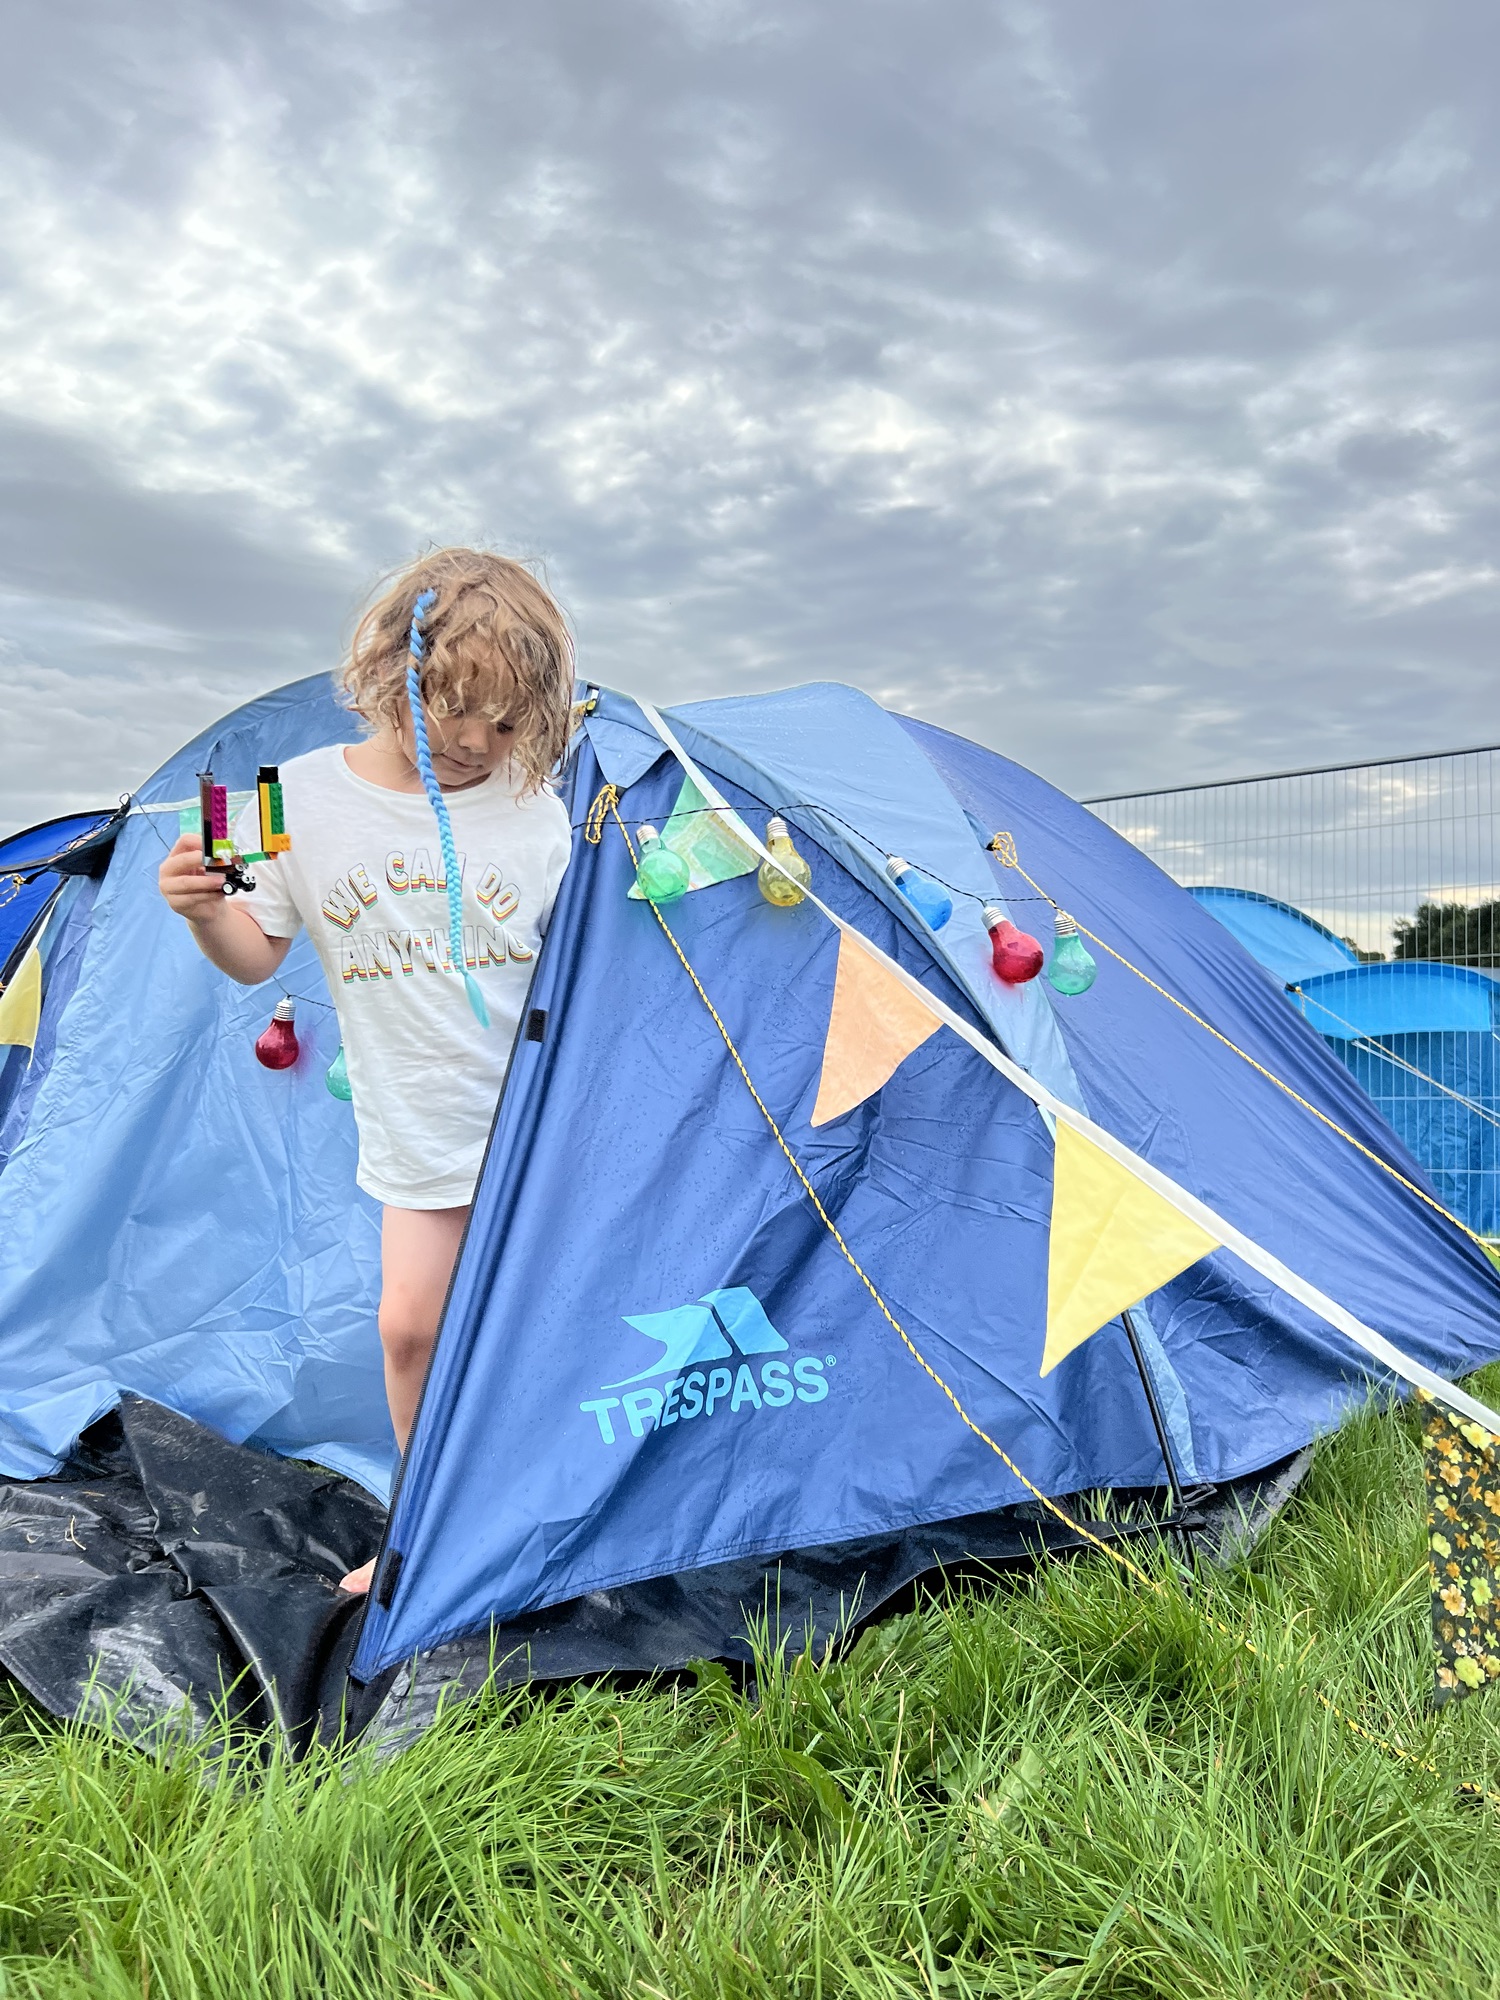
[(219, 852)]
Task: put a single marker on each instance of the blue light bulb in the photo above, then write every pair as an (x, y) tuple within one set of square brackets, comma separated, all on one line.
[(926, 898)]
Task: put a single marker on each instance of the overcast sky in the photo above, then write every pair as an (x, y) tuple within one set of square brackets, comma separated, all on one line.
[(1114, 383)]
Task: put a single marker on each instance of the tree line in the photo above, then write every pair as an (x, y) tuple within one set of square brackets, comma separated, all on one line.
[(1456, 933)]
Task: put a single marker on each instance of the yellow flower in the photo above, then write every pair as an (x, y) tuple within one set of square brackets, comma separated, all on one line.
[(1481, 1440), (1469, 1672), (1451, 1569), (1480, 1591), (1449, 1474), (1441, 1544), (1445, 1677), (1452, 1599), (1492, 1498)]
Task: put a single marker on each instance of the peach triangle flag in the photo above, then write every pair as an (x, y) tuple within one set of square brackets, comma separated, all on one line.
[(875, 1024), (1113, 1241), (21, 1003)]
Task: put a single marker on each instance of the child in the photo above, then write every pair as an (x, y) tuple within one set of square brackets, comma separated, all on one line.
[(366, 876)]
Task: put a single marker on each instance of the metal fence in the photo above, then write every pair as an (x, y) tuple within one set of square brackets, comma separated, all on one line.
[(1398, 860), (1359, 847)]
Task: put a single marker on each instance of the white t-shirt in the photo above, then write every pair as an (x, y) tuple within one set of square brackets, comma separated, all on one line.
[(365, 876)]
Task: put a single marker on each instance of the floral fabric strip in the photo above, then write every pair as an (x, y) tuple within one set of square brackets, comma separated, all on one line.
[(1463, 1549)]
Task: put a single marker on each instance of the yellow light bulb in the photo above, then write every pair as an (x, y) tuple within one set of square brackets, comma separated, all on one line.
[(774, 884)]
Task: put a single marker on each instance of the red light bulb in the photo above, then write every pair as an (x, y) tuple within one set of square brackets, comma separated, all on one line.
[(1015, 955), (277, 1048)]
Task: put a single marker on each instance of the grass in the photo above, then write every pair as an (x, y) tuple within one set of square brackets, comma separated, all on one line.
[(1070, 1786)]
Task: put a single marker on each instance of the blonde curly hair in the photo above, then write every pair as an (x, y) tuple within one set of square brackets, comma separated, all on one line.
[(497, 646)]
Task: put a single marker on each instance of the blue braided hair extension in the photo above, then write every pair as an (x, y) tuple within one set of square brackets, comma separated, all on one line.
[(439, 806)]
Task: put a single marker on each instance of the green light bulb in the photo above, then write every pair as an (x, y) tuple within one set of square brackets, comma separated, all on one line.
[(337, 1078), (1071, 968), (772, 882), (660, 875)]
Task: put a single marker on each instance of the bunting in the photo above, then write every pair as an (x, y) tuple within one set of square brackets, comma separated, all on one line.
[(21, 1003), (1114, 1240), (875, 1024), (716, 846)]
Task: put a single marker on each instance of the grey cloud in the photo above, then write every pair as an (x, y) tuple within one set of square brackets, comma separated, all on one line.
[(1114, 385)]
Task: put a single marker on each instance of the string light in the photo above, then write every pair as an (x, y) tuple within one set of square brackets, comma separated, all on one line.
[(660, 874), (773, 882), (337, 1078), (1015, 955), (1071, 968), (277, 1047), (925, 897)]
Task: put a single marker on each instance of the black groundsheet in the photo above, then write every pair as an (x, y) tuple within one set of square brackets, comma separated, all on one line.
[(166, 1578)]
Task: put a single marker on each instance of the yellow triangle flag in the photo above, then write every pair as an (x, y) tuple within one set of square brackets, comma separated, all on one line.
[(875, 1024), (1114, 1240), (21, 1002)]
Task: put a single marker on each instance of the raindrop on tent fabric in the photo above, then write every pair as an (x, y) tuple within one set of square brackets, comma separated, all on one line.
[(1071, 968), (337, 1078), (1015, 955), (772, 882), (926, 898), (660, 875), (278, 1047)]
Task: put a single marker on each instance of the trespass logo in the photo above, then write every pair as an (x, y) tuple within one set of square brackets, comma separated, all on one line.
[(711, 1361)]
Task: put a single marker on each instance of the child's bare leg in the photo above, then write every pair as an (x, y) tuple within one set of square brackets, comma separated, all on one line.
[(418, 1249)]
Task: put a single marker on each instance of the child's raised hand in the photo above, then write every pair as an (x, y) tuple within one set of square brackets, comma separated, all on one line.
[(187, 885)]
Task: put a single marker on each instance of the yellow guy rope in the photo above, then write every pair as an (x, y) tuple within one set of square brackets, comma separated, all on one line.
[(1003, 847), (606, 804)]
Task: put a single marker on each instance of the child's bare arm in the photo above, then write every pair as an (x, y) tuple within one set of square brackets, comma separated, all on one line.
[(228, 937)]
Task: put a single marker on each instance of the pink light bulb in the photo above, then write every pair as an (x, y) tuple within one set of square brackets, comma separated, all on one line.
[(1015, 955), (278, 1048)]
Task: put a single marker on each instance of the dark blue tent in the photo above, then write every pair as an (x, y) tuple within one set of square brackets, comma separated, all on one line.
[(175, 1221), (36, 867)]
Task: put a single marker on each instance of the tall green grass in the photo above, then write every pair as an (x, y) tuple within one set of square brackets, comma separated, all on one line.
[(1067, 1786)]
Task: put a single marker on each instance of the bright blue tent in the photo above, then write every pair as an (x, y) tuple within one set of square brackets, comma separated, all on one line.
[(1418, 1035), (177, 1221), (1286, 941)]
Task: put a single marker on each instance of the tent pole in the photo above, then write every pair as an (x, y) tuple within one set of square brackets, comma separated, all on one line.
[(1158, 1420)]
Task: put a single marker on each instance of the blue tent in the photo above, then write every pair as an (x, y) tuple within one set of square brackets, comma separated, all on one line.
[(1420, 1037), (1286, 941), (175, 1221), (1417, 1034), (43, 871)]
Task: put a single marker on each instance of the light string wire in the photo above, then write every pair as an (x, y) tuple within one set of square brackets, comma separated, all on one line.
[(1003, 847), (434, 791), (605, 806)]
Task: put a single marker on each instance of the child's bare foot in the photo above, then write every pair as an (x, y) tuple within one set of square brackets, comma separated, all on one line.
[(357, 1582)]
